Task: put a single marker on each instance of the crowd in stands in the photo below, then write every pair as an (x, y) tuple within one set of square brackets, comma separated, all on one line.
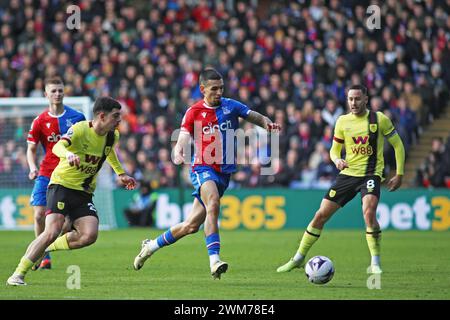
[(289, 60), (435, 169)]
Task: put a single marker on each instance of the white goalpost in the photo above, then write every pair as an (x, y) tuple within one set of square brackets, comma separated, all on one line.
[(16, 115)]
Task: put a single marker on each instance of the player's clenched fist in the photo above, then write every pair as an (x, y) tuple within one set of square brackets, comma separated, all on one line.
[(127, 181), (72, 159), (178, 152), (273, 127), (33, 174), (341, 164)]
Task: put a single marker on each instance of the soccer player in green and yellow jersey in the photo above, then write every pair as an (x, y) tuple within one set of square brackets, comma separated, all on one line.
[(82, 152), (362, 132)]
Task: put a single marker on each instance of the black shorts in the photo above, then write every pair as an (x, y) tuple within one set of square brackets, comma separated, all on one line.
[(69, 202), (346, 187)]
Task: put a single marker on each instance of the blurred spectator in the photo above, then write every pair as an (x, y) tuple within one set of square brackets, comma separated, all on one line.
[(331, 112), (435, 170), (140, 212), (326, 172), (407, 122)]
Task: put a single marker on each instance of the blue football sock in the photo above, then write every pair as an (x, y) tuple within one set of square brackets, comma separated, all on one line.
[(165, 239), (213, 244)]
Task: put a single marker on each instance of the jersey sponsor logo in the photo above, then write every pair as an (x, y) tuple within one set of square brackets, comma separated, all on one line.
[(210, 128), (332, 193), (360, 139), (54, 137), (373, 128), (60, 205), (91, 159), (87, 169), (363, 150)]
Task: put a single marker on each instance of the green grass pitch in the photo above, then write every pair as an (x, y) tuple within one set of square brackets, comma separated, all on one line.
[(415, 264)]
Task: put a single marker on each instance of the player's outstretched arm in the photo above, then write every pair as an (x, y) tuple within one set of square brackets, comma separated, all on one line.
[(263, 121), (399, 150)]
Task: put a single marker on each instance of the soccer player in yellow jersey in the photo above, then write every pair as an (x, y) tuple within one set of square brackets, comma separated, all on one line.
[(82, 151), (362, 132)]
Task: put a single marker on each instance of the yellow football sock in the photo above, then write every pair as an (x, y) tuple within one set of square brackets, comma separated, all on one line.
[(309, 238), (60, 243), (25, 264), (373, 237)]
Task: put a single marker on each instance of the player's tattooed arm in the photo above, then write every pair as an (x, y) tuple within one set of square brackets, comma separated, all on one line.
[(258, 119), (262, 121)]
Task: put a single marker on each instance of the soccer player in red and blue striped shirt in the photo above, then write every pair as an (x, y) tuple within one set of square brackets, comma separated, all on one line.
[(210, 122)]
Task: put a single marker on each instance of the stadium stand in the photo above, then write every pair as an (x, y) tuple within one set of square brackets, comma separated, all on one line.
[(290, 60)]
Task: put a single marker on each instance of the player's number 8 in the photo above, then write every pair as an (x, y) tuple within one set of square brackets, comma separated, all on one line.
[(370, 184)]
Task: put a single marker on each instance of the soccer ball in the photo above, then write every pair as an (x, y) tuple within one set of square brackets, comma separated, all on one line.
[(319, 270)]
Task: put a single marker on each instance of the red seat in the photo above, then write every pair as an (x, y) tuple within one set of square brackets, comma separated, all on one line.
[(447, 182)]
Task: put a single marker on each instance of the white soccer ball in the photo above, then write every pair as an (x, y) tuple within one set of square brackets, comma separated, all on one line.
[(319, 270)]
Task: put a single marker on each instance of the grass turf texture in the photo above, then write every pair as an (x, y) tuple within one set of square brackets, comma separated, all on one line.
[(415, 265)]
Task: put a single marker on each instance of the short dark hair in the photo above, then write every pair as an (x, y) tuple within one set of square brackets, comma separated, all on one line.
[(53, 80), (209, 74), (105, 104), (358, 87)]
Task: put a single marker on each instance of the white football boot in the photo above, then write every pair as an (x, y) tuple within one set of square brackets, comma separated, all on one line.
[(143, 255), (16, 280), (218, 268)]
